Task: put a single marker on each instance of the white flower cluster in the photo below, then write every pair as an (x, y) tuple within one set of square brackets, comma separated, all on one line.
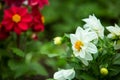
[(83, 43), (82, 40)]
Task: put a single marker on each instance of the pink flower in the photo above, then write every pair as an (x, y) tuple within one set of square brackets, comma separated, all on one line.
[(16, 19), (40, 3)]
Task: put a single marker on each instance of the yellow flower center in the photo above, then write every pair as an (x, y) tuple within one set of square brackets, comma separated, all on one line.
[(43, 19), (16, 18), (78, 45)]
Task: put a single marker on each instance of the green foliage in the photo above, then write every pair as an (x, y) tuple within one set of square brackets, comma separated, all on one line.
[(18, 52), (20, 60)]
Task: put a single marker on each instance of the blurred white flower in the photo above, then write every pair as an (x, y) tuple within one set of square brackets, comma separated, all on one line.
[(68, 74), (114, 30), (25, 2), (82, 45), (94, 24)]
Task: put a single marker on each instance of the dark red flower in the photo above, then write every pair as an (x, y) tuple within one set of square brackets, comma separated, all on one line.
[(16, 19), (3, 34), (40, 3), (14, 2), (38, 20)]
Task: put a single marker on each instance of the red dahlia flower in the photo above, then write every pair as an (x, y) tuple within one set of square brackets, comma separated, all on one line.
[(16, 19), (14, 2), (40, 3), (38, 20)]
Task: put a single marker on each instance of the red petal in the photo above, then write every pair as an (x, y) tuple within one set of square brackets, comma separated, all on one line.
[(23, 26), (27, 18), (22, 11), (9, 26), (17, 30), (14, 9), (39, 27), (7, 14)]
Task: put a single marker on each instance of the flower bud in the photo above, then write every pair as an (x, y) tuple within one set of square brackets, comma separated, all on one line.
[(34, 36), (104, 71), (57, 40)]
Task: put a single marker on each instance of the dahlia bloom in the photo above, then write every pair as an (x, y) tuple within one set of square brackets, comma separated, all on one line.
[(38, 20), (16, 19), (14, 2), (40, 3), (95, 25), (82, 45)]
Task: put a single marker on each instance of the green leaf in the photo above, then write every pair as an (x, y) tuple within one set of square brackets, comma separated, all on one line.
[(18, 52), (38, 68), (85, 76), (19, 68), (114, 70), (67, 35), (33, 46), (117, 59)]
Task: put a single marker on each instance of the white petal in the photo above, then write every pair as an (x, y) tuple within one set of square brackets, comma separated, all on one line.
[(79, 29), (79, 33), (82, 53), (59, 75), (73, 38), (69, 74), (101, 34), (88, 56), (92, 48), (76, 53), (84, 61), (113, 30), (91, 36)]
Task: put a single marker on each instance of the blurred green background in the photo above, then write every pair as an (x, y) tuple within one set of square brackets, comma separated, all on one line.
[(63, 16)]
